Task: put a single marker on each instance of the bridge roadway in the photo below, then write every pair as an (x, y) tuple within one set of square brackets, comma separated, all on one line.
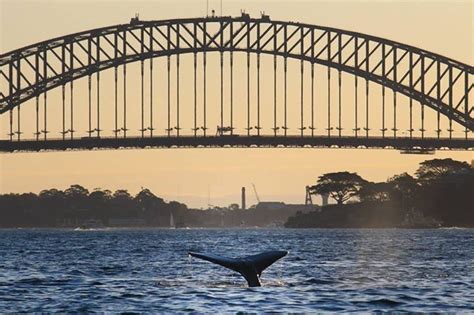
[(413, 145)]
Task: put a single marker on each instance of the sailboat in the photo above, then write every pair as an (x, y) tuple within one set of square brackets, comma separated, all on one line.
[(172, 224)]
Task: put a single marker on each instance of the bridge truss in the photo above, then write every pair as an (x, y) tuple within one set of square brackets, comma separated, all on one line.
[(432, 81)]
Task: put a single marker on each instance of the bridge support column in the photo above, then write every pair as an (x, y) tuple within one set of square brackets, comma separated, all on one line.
[(221, 55), (142, 98), (275, 94), (116, 130), (394, 129), (177, 96), (71, 90), (339, 74), (124, 101), (411, 99), (10, 134), (231, 93), (258, 95), (45, 98), (37, 81), (150, 34), (151, 89), (231, 79), (124, 51), (423, 92), (366, 109), (312, 83), (302, 99), (45, 116), (367, 54), (63, 92), (98, 86), (383, 92), (98, 105), (312, 99), (329, 85), (248, 92), (329, 103), (466, 100), (339, 128), (204, 94), (89, 99), (285, 79), (177, 83), (285, 101), (168, 130), (63, 98), (37, 133), (356, 88), (438, 95), (222, 87), (450, 102), (195, 129)]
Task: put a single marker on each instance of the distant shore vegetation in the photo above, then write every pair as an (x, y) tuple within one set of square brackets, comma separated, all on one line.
[(440, 193), (77, 207)]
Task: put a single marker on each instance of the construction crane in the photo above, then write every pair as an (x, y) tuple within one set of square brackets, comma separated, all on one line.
[(256, 194)]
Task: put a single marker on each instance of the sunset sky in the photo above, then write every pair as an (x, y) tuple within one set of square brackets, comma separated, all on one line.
[(195, 175)]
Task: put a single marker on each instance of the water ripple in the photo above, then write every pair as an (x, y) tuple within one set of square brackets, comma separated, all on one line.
[(149, 271)]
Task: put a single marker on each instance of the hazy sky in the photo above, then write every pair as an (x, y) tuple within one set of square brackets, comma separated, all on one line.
[(191, 175)]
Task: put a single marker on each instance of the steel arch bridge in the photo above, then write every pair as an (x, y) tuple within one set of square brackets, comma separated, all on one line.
[(434, 81)]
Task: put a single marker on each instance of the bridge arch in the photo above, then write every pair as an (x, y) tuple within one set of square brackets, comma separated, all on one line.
[(58, 61)]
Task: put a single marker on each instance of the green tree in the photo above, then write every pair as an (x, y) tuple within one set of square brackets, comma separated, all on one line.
[(77, 197), (430, 170), (375, 192), (148, 203), (122, 195), (99, 198), (51, 198), (76, 191), (147, 199), (404, 188), (340, 186)]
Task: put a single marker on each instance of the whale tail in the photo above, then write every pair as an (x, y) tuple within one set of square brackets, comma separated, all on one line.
[(250, 267)]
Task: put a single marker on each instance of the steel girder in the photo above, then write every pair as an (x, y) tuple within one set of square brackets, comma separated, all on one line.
[(425, 145), (434, 80)]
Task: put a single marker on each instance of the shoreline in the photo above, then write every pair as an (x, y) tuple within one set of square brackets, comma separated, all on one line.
[(237, 228)]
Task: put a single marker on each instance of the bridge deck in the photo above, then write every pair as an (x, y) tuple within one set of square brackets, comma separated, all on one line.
[(91, 143)]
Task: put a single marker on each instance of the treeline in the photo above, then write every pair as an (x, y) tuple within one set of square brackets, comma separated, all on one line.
[(53, 207), (439, 194), (77, 207)]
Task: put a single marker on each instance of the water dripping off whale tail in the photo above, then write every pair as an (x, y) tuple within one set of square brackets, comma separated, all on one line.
[(250, 267)]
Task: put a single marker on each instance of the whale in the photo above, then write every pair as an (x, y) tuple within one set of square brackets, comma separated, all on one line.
[(250, 267)]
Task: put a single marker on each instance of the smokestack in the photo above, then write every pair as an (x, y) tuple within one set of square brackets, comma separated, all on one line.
[(243, 198)]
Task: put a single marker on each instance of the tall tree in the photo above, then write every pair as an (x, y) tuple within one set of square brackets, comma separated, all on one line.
[(147, 200), (122, 195), (98, 198), (375, 192), (77, 196), (76, 191), (340, 186), (404, 188), (434, 169)]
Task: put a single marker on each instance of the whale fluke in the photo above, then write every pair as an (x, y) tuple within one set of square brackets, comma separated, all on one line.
[(250, 267)]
